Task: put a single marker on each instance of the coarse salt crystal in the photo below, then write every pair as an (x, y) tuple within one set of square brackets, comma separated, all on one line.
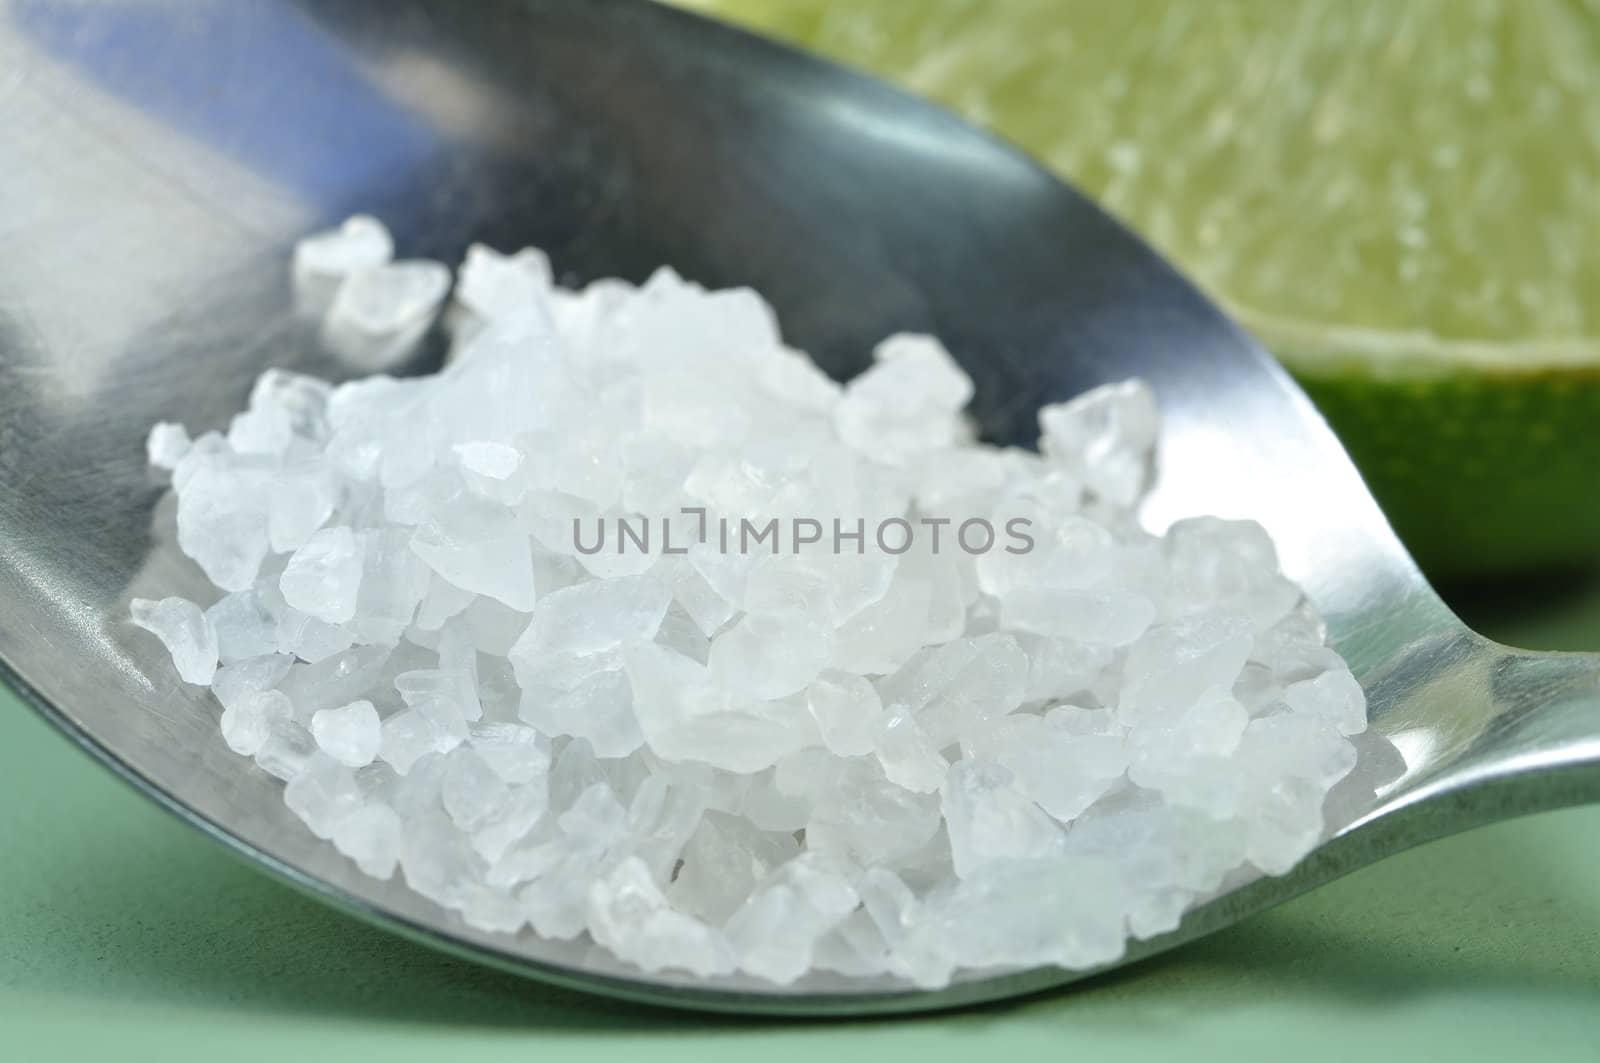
[(852, 747)]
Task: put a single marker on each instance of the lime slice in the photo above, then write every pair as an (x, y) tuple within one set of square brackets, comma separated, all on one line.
[(1399, 199)]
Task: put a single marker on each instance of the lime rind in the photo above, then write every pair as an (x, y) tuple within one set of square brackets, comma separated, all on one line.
[(1319, 349)]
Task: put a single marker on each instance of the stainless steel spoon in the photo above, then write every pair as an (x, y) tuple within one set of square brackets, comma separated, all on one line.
[(162, 156)]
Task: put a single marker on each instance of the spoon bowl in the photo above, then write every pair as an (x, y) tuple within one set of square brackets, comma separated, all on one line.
[(167, 154)]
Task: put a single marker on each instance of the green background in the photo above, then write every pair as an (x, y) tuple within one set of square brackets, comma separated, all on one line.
[(126, 935)]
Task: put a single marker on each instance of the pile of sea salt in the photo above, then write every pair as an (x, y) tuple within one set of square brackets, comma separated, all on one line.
[(836, 755)]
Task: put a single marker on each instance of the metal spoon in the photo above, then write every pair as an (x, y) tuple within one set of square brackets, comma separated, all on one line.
[(164, 156)]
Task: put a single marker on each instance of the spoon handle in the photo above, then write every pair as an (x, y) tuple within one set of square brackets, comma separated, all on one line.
[(1503, 732)]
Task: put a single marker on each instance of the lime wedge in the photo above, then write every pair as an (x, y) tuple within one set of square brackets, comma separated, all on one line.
[(1399, 199)]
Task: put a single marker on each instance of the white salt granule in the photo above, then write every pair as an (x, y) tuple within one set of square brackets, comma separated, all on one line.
[(186, 633), (166, 445), (377, 315), (325, 260), (1334, 697), (361, 242), (492, 285), (371, 837), (248, 722), (323, 576), (495, 461), (713, 758), (244, 626), (629, 915), (389, 299), (908, 404), (350, 735), (1104, 437)]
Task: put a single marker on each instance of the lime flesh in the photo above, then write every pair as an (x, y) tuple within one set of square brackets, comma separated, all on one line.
[(1399, 199)]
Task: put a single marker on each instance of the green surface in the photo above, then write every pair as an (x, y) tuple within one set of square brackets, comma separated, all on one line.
[(125, 935)]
